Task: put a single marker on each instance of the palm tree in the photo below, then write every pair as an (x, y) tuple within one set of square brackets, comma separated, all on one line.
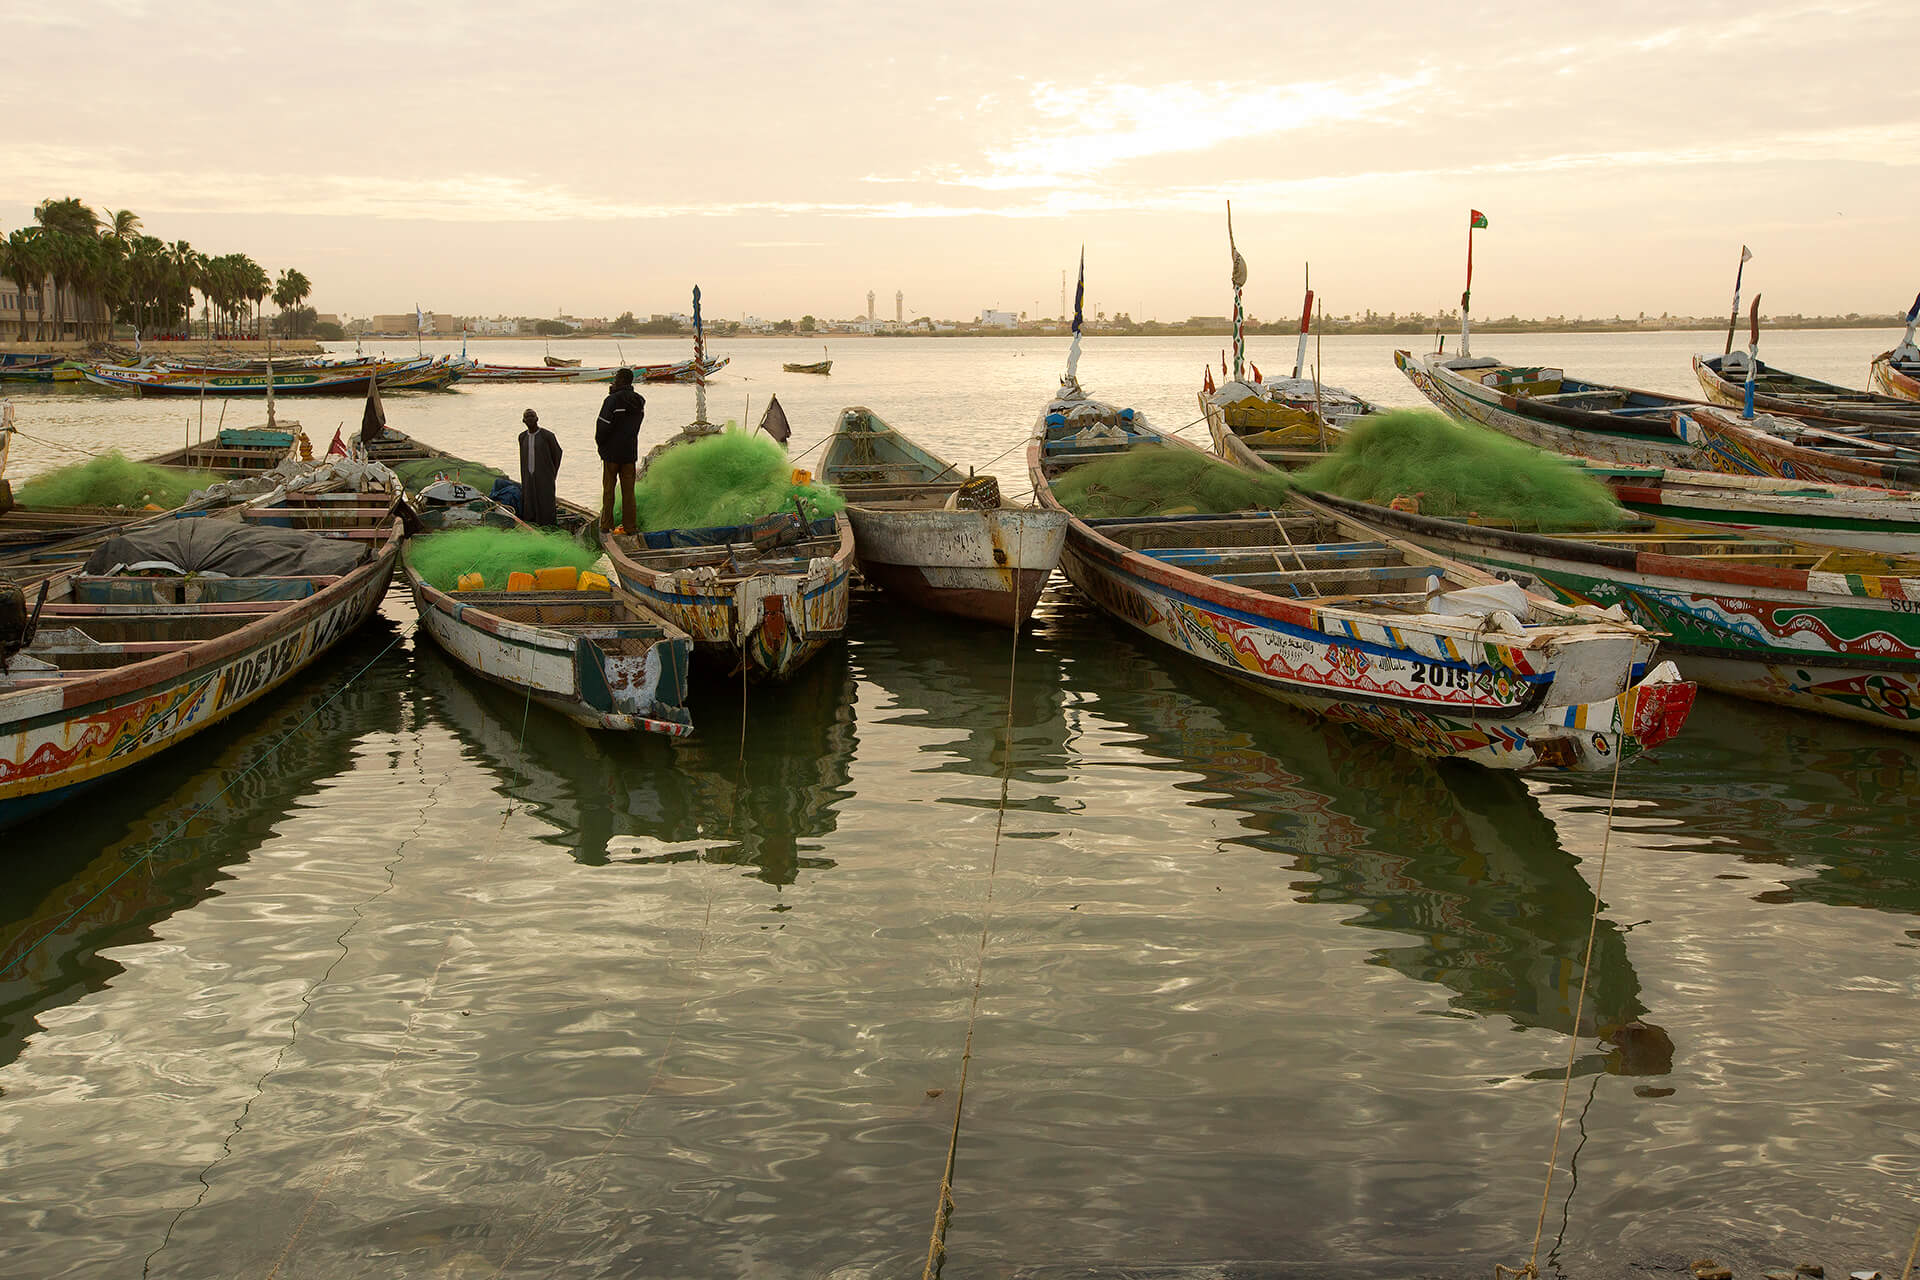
[(71, 216), (28, 268), (255, 285), (124, 226), (289, 292), (188, 269)]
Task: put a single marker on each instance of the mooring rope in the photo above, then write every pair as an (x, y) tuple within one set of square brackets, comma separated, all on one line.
[(306, 1004), (555, 1201), (1532, 1270), (943, 1210), (167, 839)]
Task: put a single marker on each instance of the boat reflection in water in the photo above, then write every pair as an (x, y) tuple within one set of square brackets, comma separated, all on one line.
[(1458, 863), (939, 676), (1828, 808), (240, 787), (643, 800)]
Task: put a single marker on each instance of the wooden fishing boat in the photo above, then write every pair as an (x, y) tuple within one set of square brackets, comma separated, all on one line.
[(1825, 629), (1724, 378), (763, 597), (477, 372), (1896, 373), (1543, 406), (1883, 520), (932, 536), (56, 370), (680, 370), (818, 366), (1324, 612), (598, 657), (145, 645), (561, 362), (427, 374)]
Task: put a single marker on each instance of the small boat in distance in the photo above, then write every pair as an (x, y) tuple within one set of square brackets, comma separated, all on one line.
[(818, 366), (561, 362), (932, 536)]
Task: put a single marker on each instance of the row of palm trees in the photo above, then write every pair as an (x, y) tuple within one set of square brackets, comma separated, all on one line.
[(79, 272)]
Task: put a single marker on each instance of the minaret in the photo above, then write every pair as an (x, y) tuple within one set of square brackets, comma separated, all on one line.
[(899, 307), (869, 306)]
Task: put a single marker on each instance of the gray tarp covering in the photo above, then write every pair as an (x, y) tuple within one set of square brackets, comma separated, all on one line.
[(229, 548)]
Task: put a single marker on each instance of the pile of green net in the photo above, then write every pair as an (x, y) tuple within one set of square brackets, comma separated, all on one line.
[(417, 473), (441, 558), (1152, 480), (113, 480), (1455, 469), (725, 479)]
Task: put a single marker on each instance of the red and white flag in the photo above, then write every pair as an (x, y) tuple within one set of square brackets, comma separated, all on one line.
[(338, 447)]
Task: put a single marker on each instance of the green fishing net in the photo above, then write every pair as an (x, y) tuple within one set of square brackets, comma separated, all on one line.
[(113, 480), (417, 473), (725, 479), (441, 558), (1152, 480), (1454, 469)]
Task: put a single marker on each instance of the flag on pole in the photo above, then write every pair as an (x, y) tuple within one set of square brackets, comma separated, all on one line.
[(1913, 312), (339, 447), (1080, 292), (1733, 319), (373, 419), (774, 421), (1206, 384), (1476, 220)]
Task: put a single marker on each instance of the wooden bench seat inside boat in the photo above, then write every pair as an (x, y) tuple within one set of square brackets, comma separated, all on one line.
[(590, 613)]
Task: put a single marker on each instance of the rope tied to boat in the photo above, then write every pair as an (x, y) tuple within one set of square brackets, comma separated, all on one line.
[(943, 1210), (1531, 1270)]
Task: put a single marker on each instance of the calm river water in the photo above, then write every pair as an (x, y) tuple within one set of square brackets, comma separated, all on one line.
[(403, 981)]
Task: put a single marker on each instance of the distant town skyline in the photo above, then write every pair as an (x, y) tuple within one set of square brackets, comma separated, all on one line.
[(600, 159)]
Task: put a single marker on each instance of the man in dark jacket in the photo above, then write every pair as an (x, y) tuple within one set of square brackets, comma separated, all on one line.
[(617, 436), (539, 465)]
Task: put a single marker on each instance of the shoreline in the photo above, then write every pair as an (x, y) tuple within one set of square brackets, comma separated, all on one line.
[(179, 347)]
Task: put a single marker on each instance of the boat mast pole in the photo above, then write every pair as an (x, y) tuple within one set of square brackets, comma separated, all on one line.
[(1474, 219), (1306, 323), (1239, 316), (1753, 359), (1734, 318), (699, 362), (1913, 318), (1073, 351)]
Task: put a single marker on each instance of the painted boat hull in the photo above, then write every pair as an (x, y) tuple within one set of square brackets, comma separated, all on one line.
[(1697, 437), (1836, 644), (770, 624), (566, 672), (1887, 379), (58, 739), (1802, 397), (989, 566), (1585, 701)]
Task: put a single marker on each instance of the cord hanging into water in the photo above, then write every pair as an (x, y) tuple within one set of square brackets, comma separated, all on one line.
[(1532, 1270), (943, 1211)]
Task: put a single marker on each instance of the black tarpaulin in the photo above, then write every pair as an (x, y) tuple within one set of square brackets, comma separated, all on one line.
[(228, 548)]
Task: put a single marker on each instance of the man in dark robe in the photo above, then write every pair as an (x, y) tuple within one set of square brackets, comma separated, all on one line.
[(539, 465), (617, 435)]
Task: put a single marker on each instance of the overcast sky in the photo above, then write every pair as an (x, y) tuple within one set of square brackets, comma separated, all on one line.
[(482, 157)]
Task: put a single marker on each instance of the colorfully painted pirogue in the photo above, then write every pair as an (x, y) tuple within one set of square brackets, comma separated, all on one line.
[(1316, 609)]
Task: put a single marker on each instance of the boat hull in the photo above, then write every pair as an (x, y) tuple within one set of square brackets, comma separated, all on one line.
[(1696, 437), (59, 738), (1367, 684), (567, 673), (1888, 380), (769, 624), (989, 566), (1856, 657)]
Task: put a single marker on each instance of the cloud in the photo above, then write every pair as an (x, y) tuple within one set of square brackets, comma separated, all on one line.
[(1094, 129)]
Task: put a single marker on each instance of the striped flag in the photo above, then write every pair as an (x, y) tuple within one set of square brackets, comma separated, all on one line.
[(1476, 220)]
